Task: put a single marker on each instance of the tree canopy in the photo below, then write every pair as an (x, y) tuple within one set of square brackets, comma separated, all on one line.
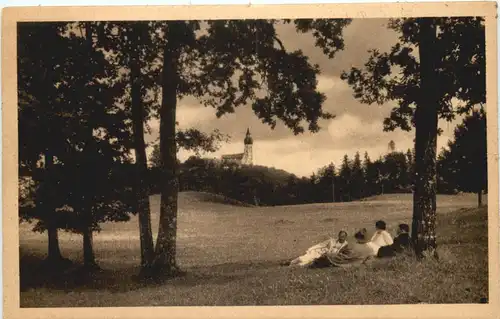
[(395, 76)]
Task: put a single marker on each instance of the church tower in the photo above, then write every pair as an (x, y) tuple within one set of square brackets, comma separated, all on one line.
[(247, 153)]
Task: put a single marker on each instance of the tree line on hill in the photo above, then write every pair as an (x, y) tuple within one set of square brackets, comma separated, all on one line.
[(87, 92), (461, 168)]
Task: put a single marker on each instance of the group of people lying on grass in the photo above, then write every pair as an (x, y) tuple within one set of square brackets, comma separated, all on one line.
[(338, 252)]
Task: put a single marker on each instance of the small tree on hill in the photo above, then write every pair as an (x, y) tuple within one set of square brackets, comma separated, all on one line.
[(391, 146)]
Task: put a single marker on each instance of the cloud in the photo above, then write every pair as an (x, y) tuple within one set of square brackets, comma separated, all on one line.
[(331, 84), (194, 116), (350, 126), (352, 131), (359, 37)]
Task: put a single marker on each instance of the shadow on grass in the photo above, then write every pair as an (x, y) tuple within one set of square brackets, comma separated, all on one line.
[(35, 273)]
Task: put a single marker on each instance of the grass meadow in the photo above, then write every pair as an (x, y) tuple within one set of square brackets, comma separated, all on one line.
[(232, 254)]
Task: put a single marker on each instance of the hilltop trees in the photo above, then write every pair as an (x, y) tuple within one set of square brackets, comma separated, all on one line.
[(465, 162), (396, 168), (345, 177), (391, 173), (357, 178), (325, 188), (267, 186), (444, 78), (370, 173)]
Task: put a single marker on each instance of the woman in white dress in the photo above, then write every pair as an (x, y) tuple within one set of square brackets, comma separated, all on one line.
[(381, 237), (330, 246)]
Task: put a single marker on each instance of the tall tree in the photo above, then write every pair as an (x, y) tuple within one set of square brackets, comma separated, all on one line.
[(137, 48), (69, 120), (382, 176), (410, 160), (358, 178), (444, 78), (132, 47), (371, 175), (41, 119), (327, 183), (345, 177), (226, 68), (101, 121), (396, 168), (465, 159)]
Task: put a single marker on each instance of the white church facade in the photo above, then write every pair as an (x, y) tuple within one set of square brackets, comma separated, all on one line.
[(245, 158)]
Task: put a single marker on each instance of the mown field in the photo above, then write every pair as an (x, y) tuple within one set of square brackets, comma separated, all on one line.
[(231, 255)]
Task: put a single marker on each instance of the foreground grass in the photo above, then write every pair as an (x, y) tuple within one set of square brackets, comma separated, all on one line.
[(242, 268)]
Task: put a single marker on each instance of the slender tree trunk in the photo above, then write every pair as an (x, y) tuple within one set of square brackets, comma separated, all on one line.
[(426, 126), (53, 249), (333, 189), (480, 198), (165, 252), (145, 232), (88, 249), (88, 219)]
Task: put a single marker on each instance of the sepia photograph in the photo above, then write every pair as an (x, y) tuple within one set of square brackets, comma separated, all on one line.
[(252, 161)]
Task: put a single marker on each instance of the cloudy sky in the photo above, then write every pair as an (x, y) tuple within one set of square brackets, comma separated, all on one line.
[(357, 127)]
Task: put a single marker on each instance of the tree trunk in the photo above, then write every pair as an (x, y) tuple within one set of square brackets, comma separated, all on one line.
[(88, 249), (88, 218), (426, 126), (165, 253), (145, 232), (480, 198), (53, 250)]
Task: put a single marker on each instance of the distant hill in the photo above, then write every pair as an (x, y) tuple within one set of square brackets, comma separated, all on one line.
[(252, 184), (199, 200), (269, 173), (190, 197)]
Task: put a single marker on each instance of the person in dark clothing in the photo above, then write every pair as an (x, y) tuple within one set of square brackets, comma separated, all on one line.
[(401, 242)]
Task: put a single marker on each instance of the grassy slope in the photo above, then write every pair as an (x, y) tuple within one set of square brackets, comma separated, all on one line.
[(232, 254)]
